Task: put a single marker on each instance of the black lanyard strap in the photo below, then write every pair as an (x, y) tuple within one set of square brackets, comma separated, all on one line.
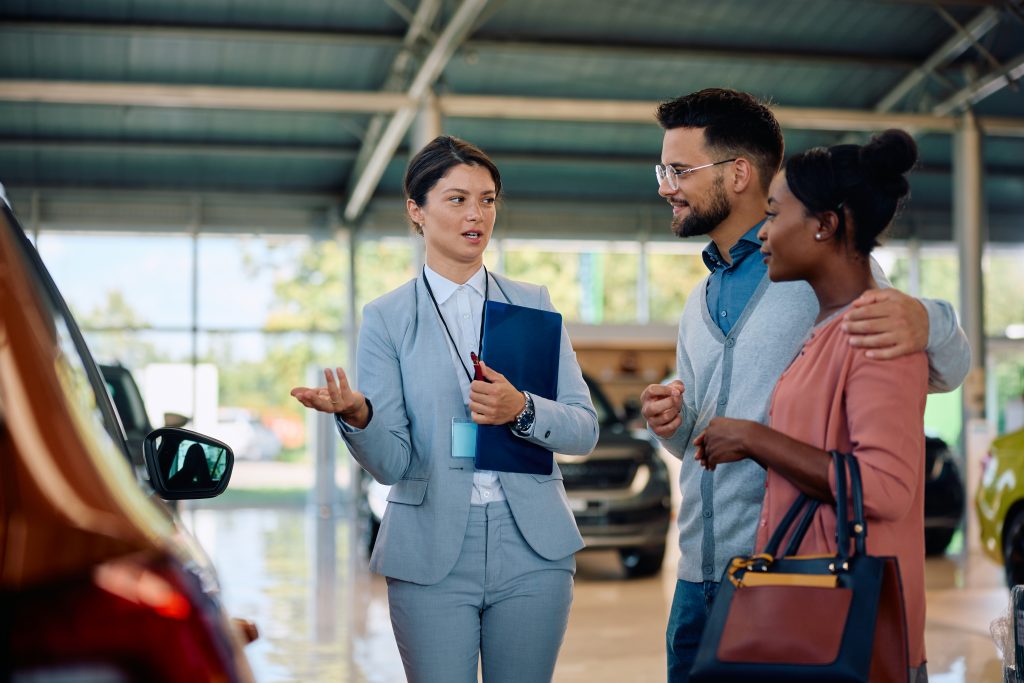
[(483, 314)]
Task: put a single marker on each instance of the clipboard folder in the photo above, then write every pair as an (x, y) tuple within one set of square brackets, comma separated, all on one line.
[(524, 345)]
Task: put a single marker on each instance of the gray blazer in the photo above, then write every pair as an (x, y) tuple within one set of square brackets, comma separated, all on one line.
[(407, 373)]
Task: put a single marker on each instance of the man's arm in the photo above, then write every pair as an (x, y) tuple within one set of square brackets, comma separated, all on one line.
[(891, 324)]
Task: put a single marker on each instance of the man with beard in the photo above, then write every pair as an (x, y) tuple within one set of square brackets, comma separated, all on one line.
[(739, 331)]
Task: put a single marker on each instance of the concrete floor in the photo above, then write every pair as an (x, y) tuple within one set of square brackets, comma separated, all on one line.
[(302, 577)]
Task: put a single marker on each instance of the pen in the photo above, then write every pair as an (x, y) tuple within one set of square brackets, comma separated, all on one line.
[(478, 372)]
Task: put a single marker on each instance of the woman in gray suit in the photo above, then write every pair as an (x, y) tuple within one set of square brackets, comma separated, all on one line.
[(479, 564)]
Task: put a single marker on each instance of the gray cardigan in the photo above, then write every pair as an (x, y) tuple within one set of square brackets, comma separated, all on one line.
[(734, 376)]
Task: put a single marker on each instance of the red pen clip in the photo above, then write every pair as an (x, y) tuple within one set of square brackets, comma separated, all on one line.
[(478, 372)]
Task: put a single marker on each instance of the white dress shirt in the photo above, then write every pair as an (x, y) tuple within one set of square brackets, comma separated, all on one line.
[(462, 307)]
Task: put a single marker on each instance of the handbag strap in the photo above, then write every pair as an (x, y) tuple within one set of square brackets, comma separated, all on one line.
[(859, 524), (842, 506), (787, 521), (842, 463), (793, 547)]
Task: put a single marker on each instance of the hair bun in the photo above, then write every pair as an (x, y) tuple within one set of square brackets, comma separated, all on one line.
[(887, 156)]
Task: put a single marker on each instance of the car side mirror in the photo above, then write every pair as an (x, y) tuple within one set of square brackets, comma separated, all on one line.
[(185, 465), (175, 420)]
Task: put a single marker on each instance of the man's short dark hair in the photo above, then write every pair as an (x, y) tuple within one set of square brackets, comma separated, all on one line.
[(735, 124)]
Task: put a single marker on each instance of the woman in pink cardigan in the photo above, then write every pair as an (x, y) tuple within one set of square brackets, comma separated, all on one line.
[(826, 211)]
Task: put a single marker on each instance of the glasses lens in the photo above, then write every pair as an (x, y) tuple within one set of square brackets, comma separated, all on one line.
[(665, 174)]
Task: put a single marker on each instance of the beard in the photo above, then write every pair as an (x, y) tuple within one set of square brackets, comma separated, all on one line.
[(702, 220)]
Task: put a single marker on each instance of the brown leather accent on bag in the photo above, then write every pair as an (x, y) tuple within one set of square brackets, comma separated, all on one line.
[(785, 625), (889, 654), (780, 579)]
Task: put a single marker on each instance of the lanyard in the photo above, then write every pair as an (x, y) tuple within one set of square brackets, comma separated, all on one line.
[(483, 314)]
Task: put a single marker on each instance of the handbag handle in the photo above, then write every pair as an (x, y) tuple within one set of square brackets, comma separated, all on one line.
[(844, 526), (859, 527), (775, 541), (793, 547)]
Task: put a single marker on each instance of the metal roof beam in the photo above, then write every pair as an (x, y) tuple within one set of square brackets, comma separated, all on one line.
[(419, 29), (200, 96), (955, 46), (987, 85), (466, 106), (434, 63), (618, 111)]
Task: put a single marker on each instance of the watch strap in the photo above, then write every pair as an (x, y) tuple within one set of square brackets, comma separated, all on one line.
[(523, 422)]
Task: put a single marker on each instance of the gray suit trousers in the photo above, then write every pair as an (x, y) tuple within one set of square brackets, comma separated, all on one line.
[(502, 606)]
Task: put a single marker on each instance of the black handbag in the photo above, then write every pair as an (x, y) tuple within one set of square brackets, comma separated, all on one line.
[(822, 618)]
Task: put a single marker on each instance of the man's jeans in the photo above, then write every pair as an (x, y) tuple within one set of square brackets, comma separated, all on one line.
[(691, 606)]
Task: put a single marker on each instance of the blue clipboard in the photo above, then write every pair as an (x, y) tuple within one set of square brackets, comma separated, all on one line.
[(523, 344)]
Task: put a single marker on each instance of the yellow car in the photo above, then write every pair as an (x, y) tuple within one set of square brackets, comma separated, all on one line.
[(1000, 505)]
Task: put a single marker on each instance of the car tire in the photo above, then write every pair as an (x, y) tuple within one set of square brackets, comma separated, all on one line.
[(641, 562), (937, 540), (1013, 549)]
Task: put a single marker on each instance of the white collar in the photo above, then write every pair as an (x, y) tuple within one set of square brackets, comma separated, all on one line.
[(443, 288)]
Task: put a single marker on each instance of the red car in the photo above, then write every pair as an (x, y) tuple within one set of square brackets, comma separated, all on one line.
[(97, 580)]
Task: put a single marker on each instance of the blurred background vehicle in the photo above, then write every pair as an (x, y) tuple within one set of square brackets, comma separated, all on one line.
[(85, 538), (943, 496), (620, 493), (248, 437), (1000, 504), (131, 408)]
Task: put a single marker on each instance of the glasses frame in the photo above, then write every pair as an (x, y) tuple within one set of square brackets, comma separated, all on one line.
[(671, 174)]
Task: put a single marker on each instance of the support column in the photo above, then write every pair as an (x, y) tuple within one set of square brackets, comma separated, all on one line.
[(427, 126), (914, 262), (968, 226), (643, 281)]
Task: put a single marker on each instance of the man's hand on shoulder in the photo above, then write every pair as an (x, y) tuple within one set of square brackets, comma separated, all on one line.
[(888, 323), (660, 404)]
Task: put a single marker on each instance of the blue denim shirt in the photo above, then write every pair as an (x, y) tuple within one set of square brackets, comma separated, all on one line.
[(731, 285)]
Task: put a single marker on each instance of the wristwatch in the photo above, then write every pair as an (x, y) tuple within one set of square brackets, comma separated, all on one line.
[(523, 422)]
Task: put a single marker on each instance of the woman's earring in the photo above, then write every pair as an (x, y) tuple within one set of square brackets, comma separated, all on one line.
[(817, 235)]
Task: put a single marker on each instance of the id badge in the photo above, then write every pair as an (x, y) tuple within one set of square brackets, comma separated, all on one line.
[(463, 438)]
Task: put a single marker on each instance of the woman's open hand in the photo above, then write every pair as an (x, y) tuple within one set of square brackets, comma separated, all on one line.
[(336, 397)]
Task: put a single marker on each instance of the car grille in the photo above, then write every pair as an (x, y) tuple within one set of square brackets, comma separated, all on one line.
[(598, 474)]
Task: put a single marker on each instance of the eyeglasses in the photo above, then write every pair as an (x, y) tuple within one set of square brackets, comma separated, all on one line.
[(671, 174)]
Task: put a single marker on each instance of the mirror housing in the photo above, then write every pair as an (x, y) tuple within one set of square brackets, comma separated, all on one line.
[(184, 465), (175, 420)]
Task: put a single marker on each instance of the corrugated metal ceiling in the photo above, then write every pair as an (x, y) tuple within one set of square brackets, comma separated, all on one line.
[(836, 54)]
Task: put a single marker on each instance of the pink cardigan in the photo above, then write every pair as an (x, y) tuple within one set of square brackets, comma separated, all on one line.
[(833, 397)]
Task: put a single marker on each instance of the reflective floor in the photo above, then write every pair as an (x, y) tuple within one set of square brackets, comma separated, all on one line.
[(302, 578)]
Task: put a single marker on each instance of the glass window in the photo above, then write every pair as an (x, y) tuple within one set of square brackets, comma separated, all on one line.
[(382, 266), (549, 264), (608, 284), (246, 402), (122, 280), (283, 283), (671, 276), (1004, 282)]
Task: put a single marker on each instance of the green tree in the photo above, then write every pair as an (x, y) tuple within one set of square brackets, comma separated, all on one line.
[(672, 277), (112, 331)]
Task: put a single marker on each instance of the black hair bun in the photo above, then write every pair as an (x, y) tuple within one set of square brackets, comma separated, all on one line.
[(886, 157)]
